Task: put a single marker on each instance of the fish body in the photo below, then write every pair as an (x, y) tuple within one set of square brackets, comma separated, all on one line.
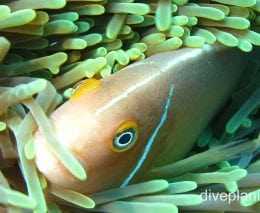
[(148, 114)]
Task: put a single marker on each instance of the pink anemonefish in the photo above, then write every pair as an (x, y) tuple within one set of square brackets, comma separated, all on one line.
[(148, 114)]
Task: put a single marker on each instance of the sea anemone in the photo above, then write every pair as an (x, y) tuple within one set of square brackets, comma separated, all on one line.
[(49, 46)]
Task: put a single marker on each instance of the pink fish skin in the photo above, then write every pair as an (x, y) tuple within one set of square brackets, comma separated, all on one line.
[(202, 80)]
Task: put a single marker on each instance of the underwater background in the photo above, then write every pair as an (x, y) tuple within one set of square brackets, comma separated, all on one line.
[(47, 47)]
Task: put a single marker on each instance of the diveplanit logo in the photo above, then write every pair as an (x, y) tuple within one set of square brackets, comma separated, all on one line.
[(245, 198)]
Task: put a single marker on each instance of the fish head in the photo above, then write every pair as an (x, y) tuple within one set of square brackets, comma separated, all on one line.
[(105, 130)]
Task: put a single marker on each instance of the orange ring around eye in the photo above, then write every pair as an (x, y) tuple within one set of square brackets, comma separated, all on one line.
[(129, 130)]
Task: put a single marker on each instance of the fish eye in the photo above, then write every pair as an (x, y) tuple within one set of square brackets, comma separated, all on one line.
[(125, 137)]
